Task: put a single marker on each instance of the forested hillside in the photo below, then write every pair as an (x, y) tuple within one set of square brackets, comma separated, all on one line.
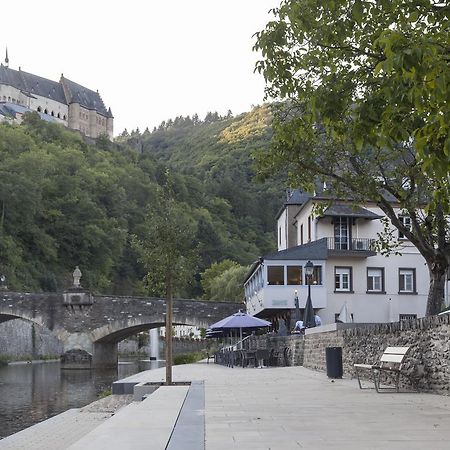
[(64, 202)]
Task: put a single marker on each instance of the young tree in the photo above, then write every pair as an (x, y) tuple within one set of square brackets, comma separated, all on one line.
[(168, 253), (367, 85)]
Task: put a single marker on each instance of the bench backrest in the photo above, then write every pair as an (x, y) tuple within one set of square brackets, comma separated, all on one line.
[(393, 357)]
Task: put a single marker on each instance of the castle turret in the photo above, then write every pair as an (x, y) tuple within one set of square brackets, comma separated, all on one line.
[(110, 124), (6, 58)]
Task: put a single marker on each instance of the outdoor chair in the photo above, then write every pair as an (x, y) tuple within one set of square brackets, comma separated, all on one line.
[(287, 353), (262, 356), (248, 356), (273, 357)]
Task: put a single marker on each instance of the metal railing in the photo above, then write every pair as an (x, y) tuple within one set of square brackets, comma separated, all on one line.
[(355, 244)]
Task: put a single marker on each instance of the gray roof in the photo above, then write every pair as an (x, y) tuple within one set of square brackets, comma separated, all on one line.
[(298, 197), (43, 87), (85, 97), (347, 210), (32, 84), (316, 250), (11, 109)]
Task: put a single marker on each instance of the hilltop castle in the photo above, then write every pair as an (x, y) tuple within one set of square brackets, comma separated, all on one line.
[(64, 102)]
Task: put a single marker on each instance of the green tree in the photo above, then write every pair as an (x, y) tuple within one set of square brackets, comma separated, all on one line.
[(384, 64), (167, 251), (367, 87), (224, 281), (216, 270)]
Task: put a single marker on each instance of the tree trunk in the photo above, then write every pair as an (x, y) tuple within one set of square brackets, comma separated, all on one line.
[(436, 292), (169, 335)]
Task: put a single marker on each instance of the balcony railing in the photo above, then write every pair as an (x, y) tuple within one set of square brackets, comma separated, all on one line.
[(354, 245)]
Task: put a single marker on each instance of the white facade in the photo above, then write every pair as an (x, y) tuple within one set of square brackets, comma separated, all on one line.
[(376, 288)]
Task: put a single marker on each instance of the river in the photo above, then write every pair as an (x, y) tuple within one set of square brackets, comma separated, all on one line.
[(31, 393)]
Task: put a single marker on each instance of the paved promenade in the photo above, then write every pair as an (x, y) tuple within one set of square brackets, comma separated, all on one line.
[(293, 408)]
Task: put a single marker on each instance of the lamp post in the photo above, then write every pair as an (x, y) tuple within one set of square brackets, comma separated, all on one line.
[(308, 319)]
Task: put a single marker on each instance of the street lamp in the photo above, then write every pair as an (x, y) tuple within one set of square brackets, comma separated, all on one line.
[(309, 319)]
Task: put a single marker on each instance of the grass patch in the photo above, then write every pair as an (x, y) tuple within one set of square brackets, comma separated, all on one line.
[(188, 358), (105, 393)]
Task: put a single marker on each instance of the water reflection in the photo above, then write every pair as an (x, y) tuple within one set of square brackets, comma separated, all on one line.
[(31, 393)]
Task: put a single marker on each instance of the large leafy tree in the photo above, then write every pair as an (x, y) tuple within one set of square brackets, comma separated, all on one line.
[(367, 89)]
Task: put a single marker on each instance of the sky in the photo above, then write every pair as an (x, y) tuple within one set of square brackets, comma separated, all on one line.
[(150, 60)]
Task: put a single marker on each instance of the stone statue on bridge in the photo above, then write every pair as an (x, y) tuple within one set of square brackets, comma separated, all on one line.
[(76, 277)]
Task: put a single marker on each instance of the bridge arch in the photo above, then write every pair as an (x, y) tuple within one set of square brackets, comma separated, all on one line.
[(97, 325)]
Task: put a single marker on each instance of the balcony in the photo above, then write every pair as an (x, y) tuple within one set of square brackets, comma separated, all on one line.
[(357, 248)]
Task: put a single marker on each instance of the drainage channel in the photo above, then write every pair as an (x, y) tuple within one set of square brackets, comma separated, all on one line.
[(189, 429)]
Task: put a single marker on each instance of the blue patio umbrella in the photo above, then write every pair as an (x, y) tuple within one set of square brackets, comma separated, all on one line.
[(239, 321)]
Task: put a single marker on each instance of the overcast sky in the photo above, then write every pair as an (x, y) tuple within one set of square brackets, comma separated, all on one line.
[(150, 60)]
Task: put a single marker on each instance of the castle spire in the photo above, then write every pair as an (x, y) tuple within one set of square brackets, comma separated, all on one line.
[(6, 58)]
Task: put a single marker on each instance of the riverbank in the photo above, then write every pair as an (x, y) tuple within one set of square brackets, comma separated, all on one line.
[(65, 429), (285, 408)]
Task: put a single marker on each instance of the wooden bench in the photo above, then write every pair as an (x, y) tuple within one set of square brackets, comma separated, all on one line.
[(391, 361)]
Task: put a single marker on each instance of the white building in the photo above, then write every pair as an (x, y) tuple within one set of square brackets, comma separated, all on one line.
[(340, 242)]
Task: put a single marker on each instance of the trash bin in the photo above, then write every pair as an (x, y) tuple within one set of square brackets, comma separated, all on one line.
[(334, 362)]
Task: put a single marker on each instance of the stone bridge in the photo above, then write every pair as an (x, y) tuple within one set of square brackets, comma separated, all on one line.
[(94, 324)]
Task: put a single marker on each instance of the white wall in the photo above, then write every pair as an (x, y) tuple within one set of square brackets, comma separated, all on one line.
[(376, 307), (282, 229)]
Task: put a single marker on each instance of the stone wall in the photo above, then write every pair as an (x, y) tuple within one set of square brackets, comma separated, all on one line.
[(21, 339), (428, 360)]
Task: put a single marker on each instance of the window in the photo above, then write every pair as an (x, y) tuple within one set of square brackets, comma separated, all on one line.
[(407, 317), (375, 279), (406, 221), (343, 279), (341, 233), (407, 280), (275, 275), (301, 234), (45, 111), (59, 116), (279, 235), (64, 117), (39, 109), (294, 275)]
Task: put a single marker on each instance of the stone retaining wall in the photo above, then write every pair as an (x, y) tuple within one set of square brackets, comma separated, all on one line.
[(21, 339), (428, 360)]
